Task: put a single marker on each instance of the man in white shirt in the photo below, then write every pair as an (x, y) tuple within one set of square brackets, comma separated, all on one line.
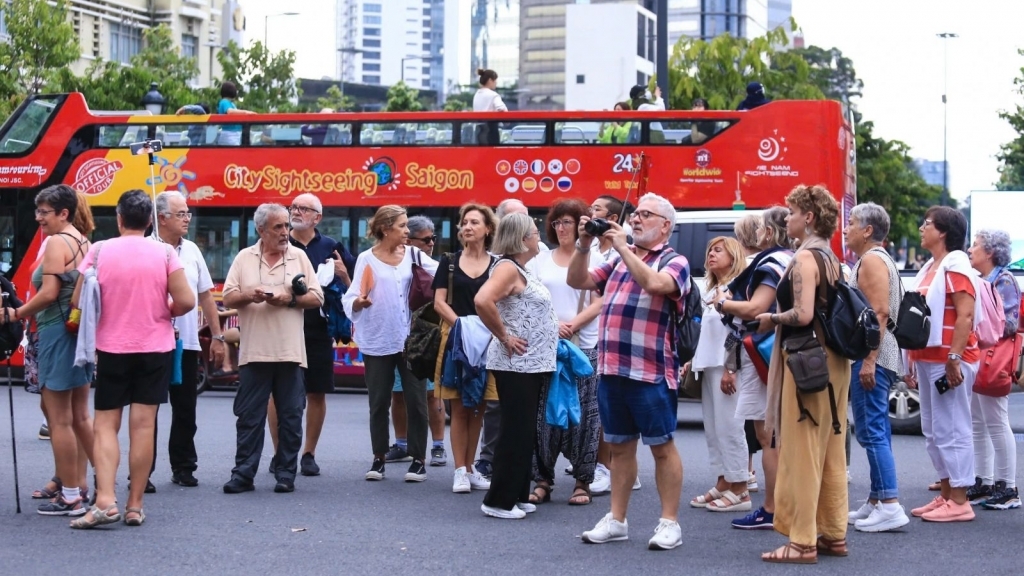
[(173, 218)]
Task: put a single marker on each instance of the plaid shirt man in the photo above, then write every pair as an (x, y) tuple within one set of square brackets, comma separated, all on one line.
[(635, 324)]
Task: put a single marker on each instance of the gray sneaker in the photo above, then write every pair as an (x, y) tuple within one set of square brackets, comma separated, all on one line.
[(438, 457), (61, 507), (397, 454)]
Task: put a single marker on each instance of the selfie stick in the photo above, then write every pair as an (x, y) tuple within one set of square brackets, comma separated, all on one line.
[(10, 401)]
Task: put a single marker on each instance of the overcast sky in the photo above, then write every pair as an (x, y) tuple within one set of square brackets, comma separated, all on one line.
[(893, 47)]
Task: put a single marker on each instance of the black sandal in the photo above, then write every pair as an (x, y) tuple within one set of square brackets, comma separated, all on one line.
[(45, 493), (543, 496), (578, 493)]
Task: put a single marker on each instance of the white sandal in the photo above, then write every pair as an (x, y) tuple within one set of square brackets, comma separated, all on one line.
[(730, 502), (702, 501)]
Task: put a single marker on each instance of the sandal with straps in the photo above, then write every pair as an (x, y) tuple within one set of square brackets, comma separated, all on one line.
[(828, 547), (99, 518), (540, 497), (792, 553), (578, 495), (134, 521), (45, 493), (731, 502), (702, 501)]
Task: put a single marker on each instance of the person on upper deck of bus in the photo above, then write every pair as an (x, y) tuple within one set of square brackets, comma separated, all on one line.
[(230, 134), (700, 131), (616, 132), (642, 100), (378, 304), (305, 213), (487, 100), (755, 97)]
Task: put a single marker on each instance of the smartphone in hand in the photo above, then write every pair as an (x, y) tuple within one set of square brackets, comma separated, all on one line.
[(942, 385)]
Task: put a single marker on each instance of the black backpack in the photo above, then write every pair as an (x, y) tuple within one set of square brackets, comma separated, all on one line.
[(11, 331), (686, 315), (850, 325)]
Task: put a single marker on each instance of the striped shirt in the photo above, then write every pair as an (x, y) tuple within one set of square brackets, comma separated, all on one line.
[(634, 336), (955, 282)]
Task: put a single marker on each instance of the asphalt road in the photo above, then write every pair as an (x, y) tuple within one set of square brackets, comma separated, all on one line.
[(340, 524)]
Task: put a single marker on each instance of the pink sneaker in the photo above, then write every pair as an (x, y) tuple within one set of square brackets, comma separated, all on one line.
[(935, 504), (951, 512)]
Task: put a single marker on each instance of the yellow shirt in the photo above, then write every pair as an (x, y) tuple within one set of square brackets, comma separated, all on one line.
[(270, 333)]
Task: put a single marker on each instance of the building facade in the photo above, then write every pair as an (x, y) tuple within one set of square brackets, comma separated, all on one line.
[(705, 19), (424, 43), (933, 171), (606, 54), (112, 29)]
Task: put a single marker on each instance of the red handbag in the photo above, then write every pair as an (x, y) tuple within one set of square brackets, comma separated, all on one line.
[(421, 290), (996, 371)]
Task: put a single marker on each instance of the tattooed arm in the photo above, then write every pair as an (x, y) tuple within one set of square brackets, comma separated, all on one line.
[(804, 278)]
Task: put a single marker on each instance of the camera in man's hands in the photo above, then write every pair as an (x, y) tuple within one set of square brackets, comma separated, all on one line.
[(597, 226), (299, 287)]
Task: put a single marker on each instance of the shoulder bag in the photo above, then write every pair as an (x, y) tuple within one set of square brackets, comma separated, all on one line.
[(421, 291), (423, 345)]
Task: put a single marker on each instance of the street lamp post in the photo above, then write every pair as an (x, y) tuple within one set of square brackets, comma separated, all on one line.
[(945, 88), (266, 22)]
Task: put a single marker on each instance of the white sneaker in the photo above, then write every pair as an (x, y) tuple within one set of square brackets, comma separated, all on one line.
[(862, 512), (478, 482), (883, 518), (602, 483), (849, 477), (636, 483), (515, 513), (667, 536), (568, 470), (752, 483), (608, 529), (527, 507), (462, 484)]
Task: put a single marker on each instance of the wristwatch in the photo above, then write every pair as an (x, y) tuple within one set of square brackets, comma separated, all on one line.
[(293, 302), (219, 338), (956, 357)]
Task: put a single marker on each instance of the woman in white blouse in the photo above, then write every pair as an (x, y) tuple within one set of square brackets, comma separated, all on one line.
[(378, 304), (487, 99)]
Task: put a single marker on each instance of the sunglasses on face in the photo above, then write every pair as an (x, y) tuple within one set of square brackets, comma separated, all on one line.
[(426, 239)]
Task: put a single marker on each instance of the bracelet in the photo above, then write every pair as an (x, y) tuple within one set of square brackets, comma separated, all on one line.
[(581, 248)]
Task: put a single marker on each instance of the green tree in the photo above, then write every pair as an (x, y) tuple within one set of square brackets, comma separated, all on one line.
[(402, 98), (41, 42), (335, 100), (886, 176), (1011, 154), (720, 69), (458, 98), (832, 73), (266, 81)]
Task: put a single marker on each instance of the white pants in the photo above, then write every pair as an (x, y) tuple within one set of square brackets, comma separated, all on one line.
[(752, 401), (727, 442), (995, 454), (946, 422)]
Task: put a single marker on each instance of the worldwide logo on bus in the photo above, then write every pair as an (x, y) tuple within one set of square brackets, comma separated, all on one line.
[(96, 176), (703, 158), (386, 171)]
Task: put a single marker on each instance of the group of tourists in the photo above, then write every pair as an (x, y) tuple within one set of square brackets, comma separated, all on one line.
[(519, 323)]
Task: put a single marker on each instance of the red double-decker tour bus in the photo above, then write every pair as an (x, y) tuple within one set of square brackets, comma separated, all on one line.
[(430, 162)]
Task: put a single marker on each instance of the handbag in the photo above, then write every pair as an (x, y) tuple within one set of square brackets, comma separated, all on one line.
[(760, 354), (691, 387), (421, 289), (423, 345), (807, 361), (996, 371)]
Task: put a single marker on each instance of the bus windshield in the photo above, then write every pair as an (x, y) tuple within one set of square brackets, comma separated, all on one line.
[(23, 130)]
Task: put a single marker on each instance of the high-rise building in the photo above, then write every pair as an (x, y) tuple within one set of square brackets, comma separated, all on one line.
[(112, 29), (779, 13), (494, 40), (706, 19), (382, 42), (933, 171)]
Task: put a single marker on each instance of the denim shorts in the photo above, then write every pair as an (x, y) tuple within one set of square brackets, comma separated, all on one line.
[(397, 388), (631, 409)]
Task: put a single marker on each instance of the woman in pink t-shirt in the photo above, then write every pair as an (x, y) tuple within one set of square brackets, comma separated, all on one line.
[(134, 349)]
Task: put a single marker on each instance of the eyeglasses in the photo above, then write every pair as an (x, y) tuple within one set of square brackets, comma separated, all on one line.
[(426, 239), (532, 234), (185, 215), (563, 224), (647, 214), (43, 212), (927, 222), (303, 209)]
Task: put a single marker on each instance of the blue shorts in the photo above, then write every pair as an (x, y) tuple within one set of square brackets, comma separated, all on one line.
[(398, 383), (631, 409)]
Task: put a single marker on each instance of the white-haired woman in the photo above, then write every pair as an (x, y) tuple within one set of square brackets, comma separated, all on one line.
[(517, 309), (995, 454), (378, 304), (875, 273)]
